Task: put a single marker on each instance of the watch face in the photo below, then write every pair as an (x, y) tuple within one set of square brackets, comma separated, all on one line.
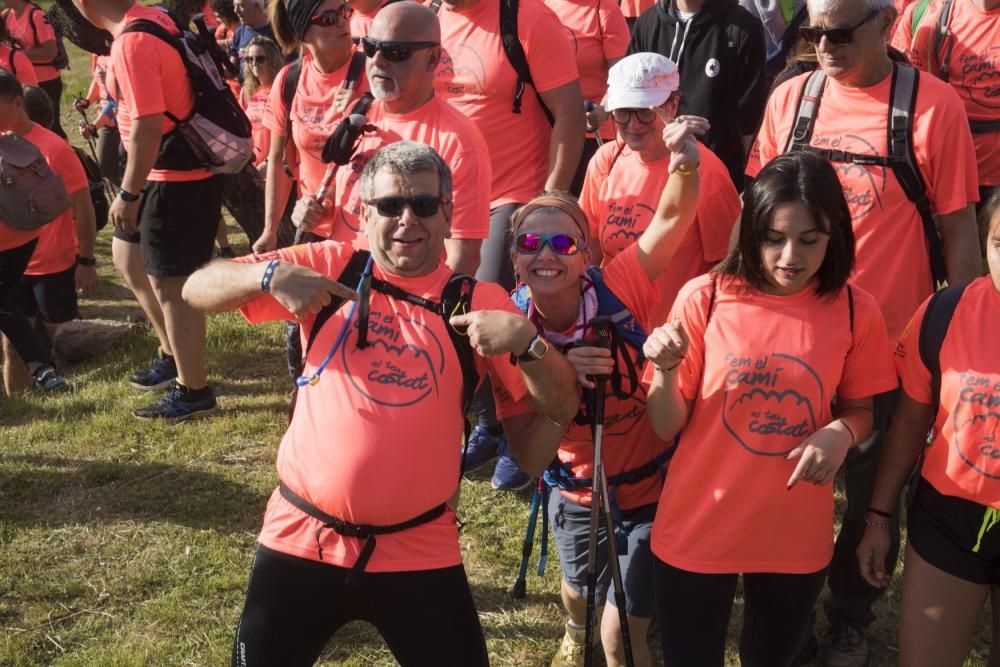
[(538, 348)]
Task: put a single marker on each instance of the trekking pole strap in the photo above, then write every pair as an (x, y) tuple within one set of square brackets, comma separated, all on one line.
[(347, 529)]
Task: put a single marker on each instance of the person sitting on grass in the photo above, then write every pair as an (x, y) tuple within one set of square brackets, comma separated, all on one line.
[(370, 447)]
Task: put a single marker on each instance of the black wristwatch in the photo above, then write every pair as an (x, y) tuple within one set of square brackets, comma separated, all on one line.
[(536, 350), (86, 261), (128, 196)]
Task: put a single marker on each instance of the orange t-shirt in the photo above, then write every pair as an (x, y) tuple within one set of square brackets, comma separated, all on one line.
[(964, 457), (599, 34), (256, 109), (620, 196), (475, 76), (758, 392), (99, 82), (376, 440), (455, 138), (314, 118), (209, 16), (892, 257), (146, 76), (973, 71), (23, 29), (629, 439), (361, 23), (58, 244), (633, 8), (22, 67)]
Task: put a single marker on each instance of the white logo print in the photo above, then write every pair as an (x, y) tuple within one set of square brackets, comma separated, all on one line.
[(712, 68)]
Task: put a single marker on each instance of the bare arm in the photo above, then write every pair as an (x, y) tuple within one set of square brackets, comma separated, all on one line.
[(463, 255), (143, 148), (903, 445), (534, 440), (86, 231), (667, 408), (277, 187), (43, 54), (566, 145), (960, 238)]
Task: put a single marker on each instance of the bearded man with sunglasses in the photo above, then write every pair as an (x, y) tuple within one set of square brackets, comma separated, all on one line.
[(403, 50), (371, 443), (893, 260)]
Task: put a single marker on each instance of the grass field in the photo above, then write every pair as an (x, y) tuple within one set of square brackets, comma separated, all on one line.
[(129, 543)]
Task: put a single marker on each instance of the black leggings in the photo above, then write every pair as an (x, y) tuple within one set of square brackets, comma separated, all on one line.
[(54, 89), (295, 605), (695, 608), (13, 324)]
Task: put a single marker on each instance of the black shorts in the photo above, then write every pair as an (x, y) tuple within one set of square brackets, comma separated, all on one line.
[(177, 225), (51, 296), (955, 535)]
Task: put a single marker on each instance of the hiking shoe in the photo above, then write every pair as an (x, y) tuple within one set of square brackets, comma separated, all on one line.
[(846, 646), (179, 404), (807, 651), (571, 649), (482, 448), (47, 379), (158, 376), (508, 476)]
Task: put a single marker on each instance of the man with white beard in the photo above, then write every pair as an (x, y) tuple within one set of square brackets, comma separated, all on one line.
[(403, 50)]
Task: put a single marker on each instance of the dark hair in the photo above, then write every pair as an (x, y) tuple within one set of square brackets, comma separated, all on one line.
[(224, 8), (10, 87), (989, 211), (38, 106), (281, 25), (808, 179)]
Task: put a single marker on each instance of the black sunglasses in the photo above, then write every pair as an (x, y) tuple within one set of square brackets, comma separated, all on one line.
[(423, 206), (394, 52), (644, 116), (838, 36), (561, 244), (332, 17), (255, 60)]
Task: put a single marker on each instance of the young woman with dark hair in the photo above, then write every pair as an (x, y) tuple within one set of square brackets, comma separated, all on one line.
[(952, 562), (261, 64), (768, 364)]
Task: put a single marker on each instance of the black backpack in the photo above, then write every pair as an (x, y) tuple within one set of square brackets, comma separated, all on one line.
[(514, 51), (97, 187), (901, 159)]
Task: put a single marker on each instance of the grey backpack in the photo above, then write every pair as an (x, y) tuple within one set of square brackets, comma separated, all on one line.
[(31, 195)]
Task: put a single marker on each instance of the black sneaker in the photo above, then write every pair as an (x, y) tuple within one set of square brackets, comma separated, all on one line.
[(158, 376), (179, 405), (47, 379)]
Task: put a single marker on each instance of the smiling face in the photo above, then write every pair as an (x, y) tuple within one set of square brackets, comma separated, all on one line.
[(547, 273), (406, 245), (257, 61), (330, 38), (793, 249), (993, 248)]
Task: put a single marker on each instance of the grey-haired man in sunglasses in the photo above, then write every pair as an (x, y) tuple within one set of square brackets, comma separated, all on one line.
[(904, 243), (370, 446)]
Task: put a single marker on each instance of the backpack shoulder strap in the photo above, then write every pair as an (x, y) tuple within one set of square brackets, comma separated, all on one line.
[(514, 50), (32, 8), (905, 84), (354, 69), (943, 38), (288, 88), (436, 6), (933, 329), (918, 15), (805, 115), (10, 62), (349, 276), (457, 298)]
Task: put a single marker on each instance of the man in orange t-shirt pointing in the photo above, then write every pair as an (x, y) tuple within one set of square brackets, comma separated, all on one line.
[(893, 260)]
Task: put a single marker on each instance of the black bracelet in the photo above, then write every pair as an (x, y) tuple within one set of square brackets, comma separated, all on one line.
[(884, 515), (86, 261)]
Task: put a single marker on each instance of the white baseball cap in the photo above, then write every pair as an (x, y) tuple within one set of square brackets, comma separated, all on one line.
[(640, 81)]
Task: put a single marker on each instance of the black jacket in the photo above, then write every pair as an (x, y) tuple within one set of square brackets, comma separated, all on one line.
[(722, 69)]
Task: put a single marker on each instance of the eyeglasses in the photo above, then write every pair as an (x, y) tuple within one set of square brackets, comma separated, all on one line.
[(561, 244), (838, 36), (394, 52), (623, 116), (255, 60), (423, 206), (332, 17)]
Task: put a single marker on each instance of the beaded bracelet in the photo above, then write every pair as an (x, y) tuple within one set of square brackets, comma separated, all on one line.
[(265, 281), (876, 524)]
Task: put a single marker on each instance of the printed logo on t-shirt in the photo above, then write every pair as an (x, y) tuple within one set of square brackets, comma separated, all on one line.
[(976, 420), (864, 186), (462, 71), (769, 402), (712, 68), (624, 224), (393, 370), (980, 77)]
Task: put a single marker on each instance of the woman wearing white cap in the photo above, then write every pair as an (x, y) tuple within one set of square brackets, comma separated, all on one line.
[(624, 179), (561, 292)]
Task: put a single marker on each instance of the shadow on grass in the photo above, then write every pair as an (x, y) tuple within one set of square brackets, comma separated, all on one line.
[(50, 491)]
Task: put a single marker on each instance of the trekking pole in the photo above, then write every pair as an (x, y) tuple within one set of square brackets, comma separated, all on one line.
[(89, 138), (588, 106), (599, 500), (519, 590)]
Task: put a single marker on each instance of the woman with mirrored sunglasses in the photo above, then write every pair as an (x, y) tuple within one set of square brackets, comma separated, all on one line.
[(561, 292), (320, 30)]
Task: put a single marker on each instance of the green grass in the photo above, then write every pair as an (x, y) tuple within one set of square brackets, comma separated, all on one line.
[(128, 543)]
